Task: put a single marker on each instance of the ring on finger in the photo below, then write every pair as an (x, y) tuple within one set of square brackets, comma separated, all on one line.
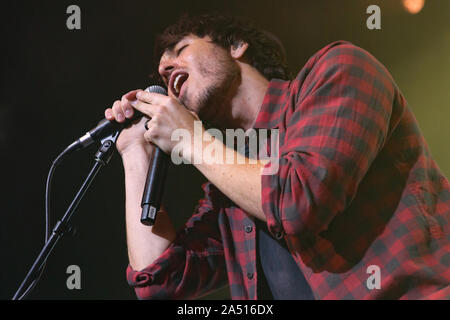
[(145, 124)]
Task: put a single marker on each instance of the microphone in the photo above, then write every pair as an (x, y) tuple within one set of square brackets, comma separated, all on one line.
[(156, 175), (106, 128), (154, 185)]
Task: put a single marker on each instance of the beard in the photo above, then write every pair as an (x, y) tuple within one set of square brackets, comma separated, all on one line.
[(213, 103)]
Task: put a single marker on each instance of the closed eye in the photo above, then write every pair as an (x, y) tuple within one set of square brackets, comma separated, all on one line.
[(181, 49)]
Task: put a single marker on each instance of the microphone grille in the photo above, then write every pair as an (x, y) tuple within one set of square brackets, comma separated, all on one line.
[(157, 89)]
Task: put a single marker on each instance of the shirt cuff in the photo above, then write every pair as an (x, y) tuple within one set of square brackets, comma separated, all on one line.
[(138, 278)]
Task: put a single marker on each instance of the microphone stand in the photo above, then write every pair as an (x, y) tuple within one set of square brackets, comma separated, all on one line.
[(102, 158)]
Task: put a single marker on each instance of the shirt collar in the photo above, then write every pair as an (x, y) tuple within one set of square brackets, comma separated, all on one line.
[(269, 115)]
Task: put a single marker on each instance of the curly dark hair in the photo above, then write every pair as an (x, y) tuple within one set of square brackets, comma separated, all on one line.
[(265, 51)]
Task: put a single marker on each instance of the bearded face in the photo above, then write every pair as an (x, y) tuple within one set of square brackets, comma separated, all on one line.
[(202, 76)]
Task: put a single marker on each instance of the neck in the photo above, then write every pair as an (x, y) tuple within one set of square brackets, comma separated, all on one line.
[(247, 103), (247, 99)]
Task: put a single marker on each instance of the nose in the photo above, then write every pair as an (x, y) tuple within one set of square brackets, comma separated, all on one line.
[(166, 67)]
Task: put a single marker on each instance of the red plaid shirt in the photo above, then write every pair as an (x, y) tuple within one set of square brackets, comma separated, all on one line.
[(356, 187)]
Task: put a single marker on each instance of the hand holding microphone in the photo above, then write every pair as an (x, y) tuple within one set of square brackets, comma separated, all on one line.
[(166, 114), (123, 111)]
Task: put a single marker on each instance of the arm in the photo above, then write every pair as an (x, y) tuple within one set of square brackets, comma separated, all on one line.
[(136, 154), (139, 236), (339, 125), (183, 266), (163, 266), (241, 181), (193, 265)]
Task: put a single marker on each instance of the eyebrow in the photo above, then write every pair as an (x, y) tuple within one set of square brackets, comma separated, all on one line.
[(178, 45)]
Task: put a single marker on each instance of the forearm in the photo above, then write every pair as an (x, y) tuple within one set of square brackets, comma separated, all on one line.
[(239, 182), (145, 243)]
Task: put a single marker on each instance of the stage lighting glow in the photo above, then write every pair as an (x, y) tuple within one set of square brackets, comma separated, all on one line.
[(413, 6)]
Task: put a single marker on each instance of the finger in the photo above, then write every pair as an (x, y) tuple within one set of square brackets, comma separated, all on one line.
[(126, 107), (146, 108), (151, 97), (131, 95), (117, 111), (109, 114)]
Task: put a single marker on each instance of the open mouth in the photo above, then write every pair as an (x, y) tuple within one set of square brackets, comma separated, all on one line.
[(176, 82)]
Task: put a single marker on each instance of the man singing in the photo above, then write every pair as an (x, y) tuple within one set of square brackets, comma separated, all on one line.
[(358, 209)]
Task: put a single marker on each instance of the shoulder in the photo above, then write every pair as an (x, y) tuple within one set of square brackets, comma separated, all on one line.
[(340, 62), (342, 56)]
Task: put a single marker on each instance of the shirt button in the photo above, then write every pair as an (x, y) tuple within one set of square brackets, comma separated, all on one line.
[(250, 275), (248, 229), (279, 235)]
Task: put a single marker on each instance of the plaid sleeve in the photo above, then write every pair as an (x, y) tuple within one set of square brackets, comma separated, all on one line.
[(331, 135), (193, 265)]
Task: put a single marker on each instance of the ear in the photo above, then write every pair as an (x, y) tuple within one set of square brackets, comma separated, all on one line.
[(238, 50)]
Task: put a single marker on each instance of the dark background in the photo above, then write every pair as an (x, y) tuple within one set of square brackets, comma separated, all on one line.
[(56, 83)]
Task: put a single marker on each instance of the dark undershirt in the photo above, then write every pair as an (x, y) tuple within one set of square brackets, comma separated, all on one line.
[(279, 277)]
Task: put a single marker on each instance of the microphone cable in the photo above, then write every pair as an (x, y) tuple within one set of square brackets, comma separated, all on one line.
[(47, 220)]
